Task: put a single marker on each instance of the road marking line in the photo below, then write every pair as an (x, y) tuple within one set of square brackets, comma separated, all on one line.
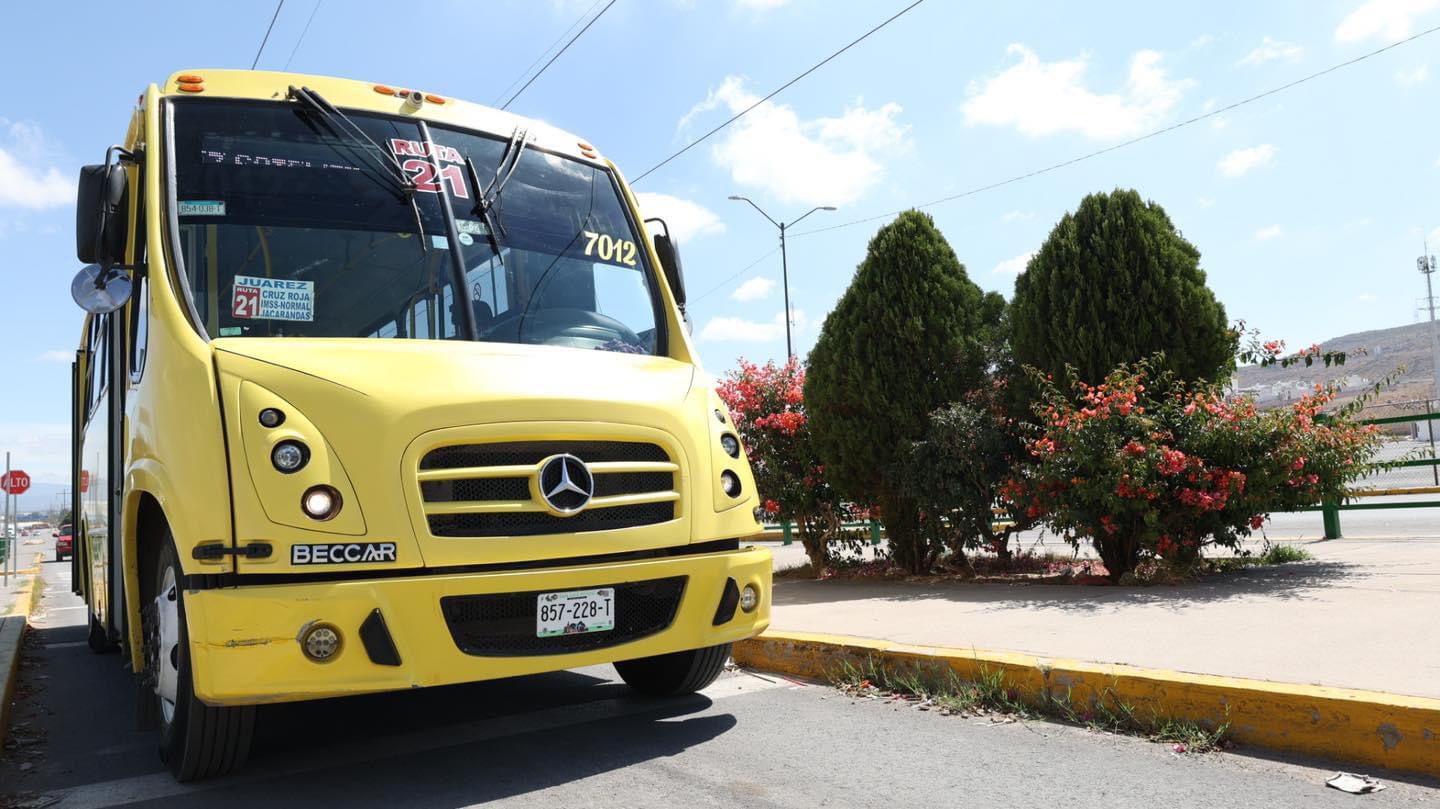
[(161, 785)]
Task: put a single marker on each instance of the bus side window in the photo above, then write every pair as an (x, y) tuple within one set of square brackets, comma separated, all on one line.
[(99, 360), (139, 329)]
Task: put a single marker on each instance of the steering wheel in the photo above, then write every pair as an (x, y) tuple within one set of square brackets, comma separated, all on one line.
[(566, 326)]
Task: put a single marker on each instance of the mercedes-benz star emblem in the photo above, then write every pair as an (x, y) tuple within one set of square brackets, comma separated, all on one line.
[(566, 484)]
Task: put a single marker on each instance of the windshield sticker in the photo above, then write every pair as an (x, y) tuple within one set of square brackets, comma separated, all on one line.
[(439, 242), (272, 299), (201, 207), (466, 239), (608, 248), (423, 172), (472, 227), (231, 331)]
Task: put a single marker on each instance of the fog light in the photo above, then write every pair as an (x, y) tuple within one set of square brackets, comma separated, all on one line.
[(730, 483), (719, 415), (289, 456), (320, 642), (270, 417), (749, 598), (731, 444), (320, 503)]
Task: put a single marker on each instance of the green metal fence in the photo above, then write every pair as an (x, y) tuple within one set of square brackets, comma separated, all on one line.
[(1396, 479)]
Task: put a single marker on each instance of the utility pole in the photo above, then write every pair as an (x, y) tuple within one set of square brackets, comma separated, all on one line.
[(1426, 265), (784, 263)]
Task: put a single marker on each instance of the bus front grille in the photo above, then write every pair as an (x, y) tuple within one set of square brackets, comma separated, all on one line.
[(503, 624), (490, 490)]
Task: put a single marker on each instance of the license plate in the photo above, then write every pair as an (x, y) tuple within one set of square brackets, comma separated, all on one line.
[(574, 611)]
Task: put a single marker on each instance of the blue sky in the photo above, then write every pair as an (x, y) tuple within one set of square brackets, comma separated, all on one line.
[(1309, 207)]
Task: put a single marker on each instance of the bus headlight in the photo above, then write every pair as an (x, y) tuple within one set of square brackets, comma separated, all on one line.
[(730, 483), (730, 444), (289, 456), (320, 503)]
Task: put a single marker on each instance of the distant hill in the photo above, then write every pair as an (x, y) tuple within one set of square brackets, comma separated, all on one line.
[(1370, 356)]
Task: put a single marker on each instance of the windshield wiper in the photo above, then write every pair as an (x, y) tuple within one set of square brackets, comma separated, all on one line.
[(388, 167), (486, 201)]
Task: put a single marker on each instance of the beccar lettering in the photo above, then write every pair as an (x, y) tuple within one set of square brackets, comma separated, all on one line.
[(340, 553)]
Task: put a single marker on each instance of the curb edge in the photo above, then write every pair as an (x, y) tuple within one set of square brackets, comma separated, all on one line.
[(12, 636), (1364, 727)]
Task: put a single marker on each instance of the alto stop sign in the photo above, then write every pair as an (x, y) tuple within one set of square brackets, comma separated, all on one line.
[(17, 482)]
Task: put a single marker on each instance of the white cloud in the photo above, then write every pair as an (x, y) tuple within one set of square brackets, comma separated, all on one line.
[(1206, 202), (740, 330), (1273, 50), (1433, 237), (1219, 122), (1366, 297), (1241, 161), (687, 219), (1266, 234), (1016, 216), (1045, 98), (1013, 266), (820, 161), (25, 180), (1201, 41), (55, 356), (756, 289), (1415, 75), (1383, 19), (40, 448), (761, 5)]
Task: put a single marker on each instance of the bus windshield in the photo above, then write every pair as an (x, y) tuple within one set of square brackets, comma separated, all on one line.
[(288, 229)]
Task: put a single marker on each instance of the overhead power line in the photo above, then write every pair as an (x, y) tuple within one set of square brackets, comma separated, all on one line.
[(1180, 125), (273, 18), (557, 55), (545, 52), (303, 32), (776, 91), (743, 270)]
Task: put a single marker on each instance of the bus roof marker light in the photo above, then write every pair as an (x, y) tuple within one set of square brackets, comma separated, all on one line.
[(434, 99), (191, 87), (383, 90)]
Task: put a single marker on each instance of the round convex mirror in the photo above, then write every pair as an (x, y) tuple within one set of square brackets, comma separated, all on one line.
[(98, 290)]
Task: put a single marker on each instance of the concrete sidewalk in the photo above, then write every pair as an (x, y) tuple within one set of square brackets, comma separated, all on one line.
[(1362, 615)]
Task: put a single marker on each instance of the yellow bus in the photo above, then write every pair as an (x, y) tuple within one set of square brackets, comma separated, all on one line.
[(379, 390)]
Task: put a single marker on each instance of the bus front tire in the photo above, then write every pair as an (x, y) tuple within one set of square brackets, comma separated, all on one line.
[(196, 740), (674, 674)]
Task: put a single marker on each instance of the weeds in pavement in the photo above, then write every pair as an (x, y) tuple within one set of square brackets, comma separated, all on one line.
[(1284, 554), (939, 688)]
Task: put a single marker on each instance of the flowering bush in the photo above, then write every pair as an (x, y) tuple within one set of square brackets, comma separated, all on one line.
[(768, 407), (1142, 466), (955, 473)]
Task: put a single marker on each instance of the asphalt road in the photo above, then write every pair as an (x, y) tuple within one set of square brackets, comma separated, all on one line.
[(579, 739)]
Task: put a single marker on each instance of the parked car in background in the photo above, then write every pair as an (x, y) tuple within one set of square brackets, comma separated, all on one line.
[(64, 543)]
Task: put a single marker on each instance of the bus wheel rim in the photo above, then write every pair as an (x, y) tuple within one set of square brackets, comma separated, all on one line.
[(167, 613)]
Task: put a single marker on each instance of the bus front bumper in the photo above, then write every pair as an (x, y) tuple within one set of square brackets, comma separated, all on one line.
[(245, 641)]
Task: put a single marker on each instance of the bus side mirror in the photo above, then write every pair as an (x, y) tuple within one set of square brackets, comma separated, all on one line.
[(670, 262), (101, 205)]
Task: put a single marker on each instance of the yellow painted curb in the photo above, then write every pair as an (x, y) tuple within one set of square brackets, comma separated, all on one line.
[(1363, 727), (12, 634)]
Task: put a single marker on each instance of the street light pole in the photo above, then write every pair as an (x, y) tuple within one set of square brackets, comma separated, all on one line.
[(784, 262)]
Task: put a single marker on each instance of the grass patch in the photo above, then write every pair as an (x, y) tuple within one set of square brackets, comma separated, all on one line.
[(1284, 554), (941, 689)]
